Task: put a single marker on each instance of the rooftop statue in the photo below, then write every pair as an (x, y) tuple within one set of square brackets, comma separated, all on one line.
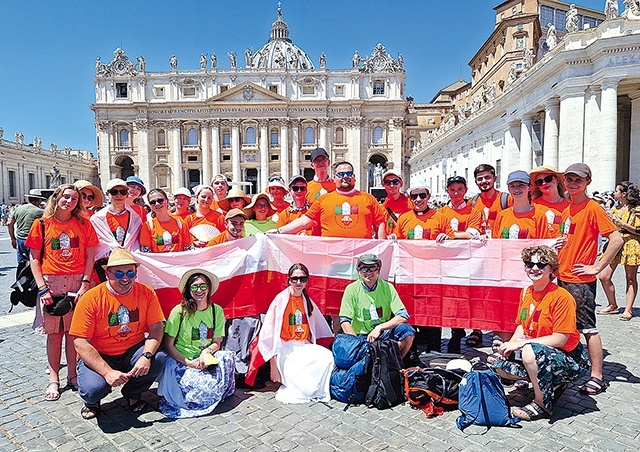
[(173, 61), (552, 39)]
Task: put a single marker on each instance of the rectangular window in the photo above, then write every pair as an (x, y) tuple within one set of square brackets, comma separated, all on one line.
[(159, 92), (12, 184), (308, 90), (275, 157), (121, 90), (307, 157), (224, 88), (226, 139), (498, 171), (274, 138), (273, 88), (340, 90), (412, 144), (32, 181), (192, 158), (378, 87), (189, 91), (226, 158)]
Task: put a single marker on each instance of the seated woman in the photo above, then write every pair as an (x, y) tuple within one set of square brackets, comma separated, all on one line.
[(545, 348), (288, 339), (193, 383)]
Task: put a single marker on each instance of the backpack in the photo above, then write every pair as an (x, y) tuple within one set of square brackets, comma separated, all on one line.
[(428, 389), (482, 400), (386, 388), (351, 375), (25, 289)]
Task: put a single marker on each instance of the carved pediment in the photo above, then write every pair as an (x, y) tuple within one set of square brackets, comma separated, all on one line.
[(248, 92)]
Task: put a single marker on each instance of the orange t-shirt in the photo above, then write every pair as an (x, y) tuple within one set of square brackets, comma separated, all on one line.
[(490, 209), (352, 216), (553, 213), (213, 218), (287, 216), (552, 310), (172, 235), (115, 323), (529, 225), (119, 224), (182, 216), (466, 218), (295, 325), (65, 244), (398, 207), (223, 237), (140, 211), (316, 189), (582, 224), (427, 226)]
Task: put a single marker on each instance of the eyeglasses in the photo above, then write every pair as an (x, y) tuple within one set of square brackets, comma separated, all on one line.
[(415, 196), (298, 188), (299, 278), (456, 180), (153, 202), (540, 265), (342, 174), (196, 287), (544, 180), (122, 191), (86, 196), (391, 182), (373, 268), (119, 274)]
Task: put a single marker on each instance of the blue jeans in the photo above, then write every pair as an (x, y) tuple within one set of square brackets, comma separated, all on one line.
[(22, 252), (92, 387), (399, 333)]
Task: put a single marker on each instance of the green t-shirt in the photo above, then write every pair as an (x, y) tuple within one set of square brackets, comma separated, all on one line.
[(369, 309), (196, 331), (24, 216), (252, 227)]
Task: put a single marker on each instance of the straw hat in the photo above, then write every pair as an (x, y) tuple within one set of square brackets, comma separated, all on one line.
[(249, 209), (98, 199), (120, 256), (233, 193), (215, 282)]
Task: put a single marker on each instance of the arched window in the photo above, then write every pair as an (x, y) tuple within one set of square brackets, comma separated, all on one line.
[(378, 135), (309, 135), (192, 137), (250, 135), (162, 138), (123, 138), (339, 135), (274, 137)]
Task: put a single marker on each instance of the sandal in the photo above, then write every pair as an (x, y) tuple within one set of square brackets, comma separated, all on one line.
[(496, 342), (531, 412), (626, 316), (608, 310), (52, 392), (474, 339), (90, 411), (594, 386), (72, 383), (138, 406)]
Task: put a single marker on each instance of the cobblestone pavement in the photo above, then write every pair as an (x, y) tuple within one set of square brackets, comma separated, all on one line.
[(253, 420)]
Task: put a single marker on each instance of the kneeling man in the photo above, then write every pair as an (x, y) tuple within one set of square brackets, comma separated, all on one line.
[(109, 325), (372, 307)]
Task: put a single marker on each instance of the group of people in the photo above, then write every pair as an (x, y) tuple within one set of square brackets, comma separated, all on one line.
[(77, 247)]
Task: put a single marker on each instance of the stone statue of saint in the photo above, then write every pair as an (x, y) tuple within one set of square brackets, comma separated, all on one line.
[(173, 61), (232, 59), (203, 61), (552, 38), (214, 61), (143, 63), (378, 171), (55, 177), (247, 57), (528, 59), (53, 146), (356, 59), (513, 74), (400, 61), (323, 61), (98, 65), (632, 9), (294, 61), (1, 132), (611, 9), (571, 23), (279, 58)]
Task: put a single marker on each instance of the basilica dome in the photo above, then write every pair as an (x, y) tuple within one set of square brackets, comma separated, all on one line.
[(280, 52)]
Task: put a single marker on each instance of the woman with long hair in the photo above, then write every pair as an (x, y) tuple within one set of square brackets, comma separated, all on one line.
[(547, 190), (62, 247), (289, 338), (206, 222), (259, 214), (90, 196), (197, 374), (163, 233)]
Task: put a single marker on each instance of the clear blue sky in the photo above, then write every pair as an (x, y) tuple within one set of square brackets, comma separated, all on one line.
[(48, 48)]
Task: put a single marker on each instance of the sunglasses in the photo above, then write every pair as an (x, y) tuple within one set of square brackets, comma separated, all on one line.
[(236, 199), (456, 180), (544, 180), (119, 274), (153, 202), (299, 278), (342, 174), (197, 287), (540, 265), (298, 188), (415, 196), (122, 191), (88, 197), (391, 182), (371, 269)]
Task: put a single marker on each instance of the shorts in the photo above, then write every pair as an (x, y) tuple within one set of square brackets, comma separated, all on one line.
[(58, 285), (585, 296), (399, 333)]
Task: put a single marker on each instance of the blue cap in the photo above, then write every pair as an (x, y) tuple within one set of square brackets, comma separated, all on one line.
[(136, 180), (519, 176)]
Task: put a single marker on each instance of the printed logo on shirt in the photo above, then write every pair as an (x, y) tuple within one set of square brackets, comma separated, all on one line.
[(458, 225), (346, 215), (418, 233), (514, 232), (552, 217), (167, 239), (201, 332), (567, 227), (122, 318), (64, 242), (373, 314)]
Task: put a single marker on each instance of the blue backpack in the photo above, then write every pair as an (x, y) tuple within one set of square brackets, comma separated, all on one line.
[(351, 376), (482, 400)]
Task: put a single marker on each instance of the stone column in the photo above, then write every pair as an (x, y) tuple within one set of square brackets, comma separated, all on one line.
[(264, 153), (509, 161), (104, 129), (176, 153), (144, 153), (295, 147), (591, 118), (205, 140), (355, 125), (571, 136), (284, 148), (323, 143), (395, 141), (634, 155), (607, 132), (550, 140), (235, 150), (526, 149), (215, 146)]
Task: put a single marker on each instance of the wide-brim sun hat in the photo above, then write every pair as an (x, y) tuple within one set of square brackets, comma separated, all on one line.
[(98, 198), (544, 169), (249, 209), (120, 256), (215, 281), (224, 203), (137, 181)]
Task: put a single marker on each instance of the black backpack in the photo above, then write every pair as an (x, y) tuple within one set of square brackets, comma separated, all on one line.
[(25, 289), (386, 389)]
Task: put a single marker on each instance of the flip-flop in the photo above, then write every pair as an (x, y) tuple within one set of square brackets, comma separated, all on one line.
[(594, 386), (90, 411), (608, 310), (532, 412), (52, 392)]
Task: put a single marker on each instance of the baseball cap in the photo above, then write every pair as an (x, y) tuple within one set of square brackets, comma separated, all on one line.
[(369, 259), (579, 169), (235, 213), (182, 191), (296, 178), (456, 180), (113, 183), (519, 176), (221, 177), (318, 152)]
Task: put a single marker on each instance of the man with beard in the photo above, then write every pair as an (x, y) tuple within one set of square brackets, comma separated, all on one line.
[(490, 201), (234, 221), (346, 212)]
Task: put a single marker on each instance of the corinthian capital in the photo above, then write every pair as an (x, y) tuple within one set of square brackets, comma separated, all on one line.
[(141, 123), (174, 124)]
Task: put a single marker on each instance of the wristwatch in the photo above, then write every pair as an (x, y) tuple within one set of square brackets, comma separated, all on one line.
[(148, 355)]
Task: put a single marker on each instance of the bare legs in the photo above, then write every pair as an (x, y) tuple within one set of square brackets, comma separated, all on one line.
[(608, 287), (631, 273)]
